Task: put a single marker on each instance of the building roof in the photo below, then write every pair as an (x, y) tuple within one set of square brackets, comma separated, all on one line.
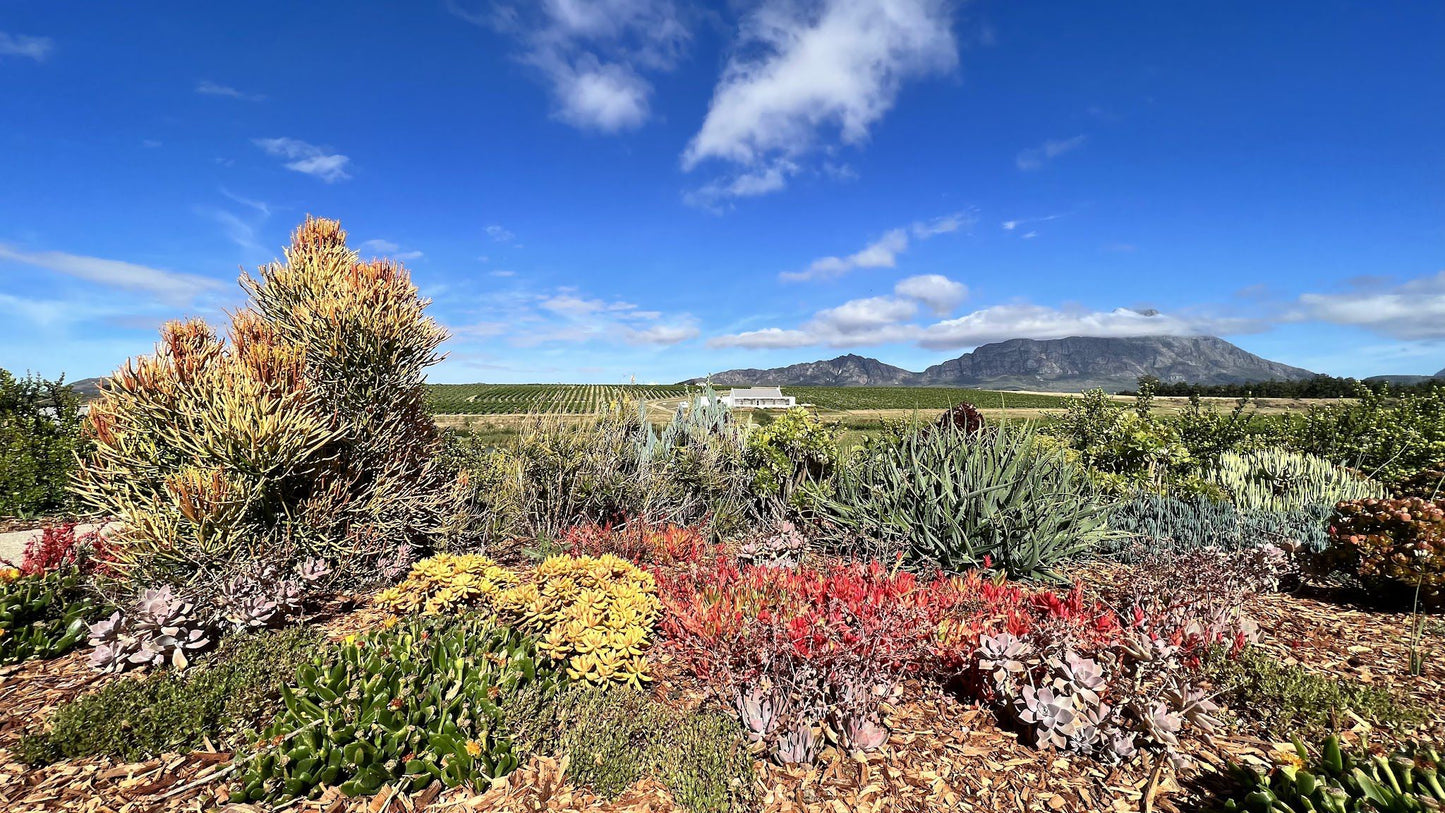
[(757, 392)]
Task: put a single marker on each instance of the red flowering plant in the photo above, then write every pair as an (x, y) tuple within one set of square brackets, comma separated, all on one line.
[(59, 547), (639, 542)]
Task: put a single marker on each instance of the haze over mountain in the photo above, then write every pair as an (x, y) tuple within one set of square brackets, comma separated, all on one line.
[(1069, 364)]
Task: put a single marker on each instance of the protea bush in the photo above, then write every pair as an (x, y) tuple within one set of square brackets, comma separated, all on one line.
[(301, 435)]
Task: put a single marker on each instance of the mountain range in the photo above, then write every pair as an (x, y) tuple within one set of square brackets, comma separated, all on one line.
[(1069, 364)]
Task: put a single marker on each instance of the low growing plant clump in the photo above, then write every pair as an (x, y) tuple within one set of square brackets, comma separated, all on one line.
[(638, 542), (233, 689), (45, 606), (1395, 547), (594, 615), (1289, 701), (406, 707), (1277, 481), (1341, 781), (613, 735)]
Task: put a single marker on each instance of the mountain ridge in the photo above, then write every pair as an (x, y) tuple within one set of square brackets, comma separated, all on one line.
[(1066, 364)]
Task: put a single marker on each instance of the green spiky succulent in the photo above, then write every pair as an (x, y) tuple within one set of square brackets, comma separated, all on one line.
[(1343, 782), (402, 707)]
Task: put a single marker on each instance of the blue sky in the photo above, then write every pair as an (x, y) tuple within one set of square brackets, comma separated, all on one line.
[(595, 190)]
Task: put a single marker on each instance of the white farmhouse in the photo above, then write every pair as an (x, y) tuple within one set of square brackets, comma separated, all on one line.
[(758, 398)]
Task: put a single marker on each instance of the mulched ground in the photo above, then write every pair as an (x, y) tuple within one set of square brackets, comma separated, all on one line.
[(944, 755)]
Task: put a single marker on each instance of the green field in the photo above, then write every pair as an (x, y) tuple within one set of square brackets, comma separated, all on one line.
[(585, 399), (553, 399)]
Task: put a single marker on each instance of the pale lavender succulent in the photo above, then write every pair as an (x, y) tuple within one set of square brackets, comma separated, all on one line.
[(798, 746), (261, 598), (1052, 716), (159, 629), (782, 548), (862, 732), (1080, 676), (1161, 725), (313, 570), (758, 709), (1194, 705), (1002, 656)]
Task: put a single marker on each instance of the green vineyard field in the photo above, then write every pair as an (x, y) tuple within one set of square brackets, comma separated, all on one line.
[(585, 399)]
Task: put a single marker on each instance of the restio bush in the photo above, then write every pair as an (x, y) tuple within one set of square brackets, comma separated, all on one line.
[(1285, 700), (1277, 480), (234, 689), (39, 439), (404, 707), (613, 736), (953, 500), (304, 435), (592, 615), (1395, 547), (1341, 781)]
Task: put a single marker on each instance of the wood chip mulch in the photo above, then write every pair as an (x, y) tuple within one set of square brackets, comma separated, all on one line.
[(944, 755)]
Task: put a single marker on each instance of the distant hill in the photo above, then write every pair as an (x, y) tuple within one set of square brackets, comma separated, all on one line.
[(1055, 365), (87, 388), (1440, 374)]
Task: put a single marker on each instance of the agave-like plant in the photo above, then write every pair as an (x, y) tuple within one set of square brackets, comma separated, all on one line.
[(955, 500)]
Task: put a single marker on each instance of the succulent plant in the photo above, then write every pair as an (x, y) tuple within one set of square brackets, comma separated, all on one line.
[(1079, 676), (799, 745), (758, 709), (782, 548), (263, 598), (1002, 656), (43, 615), (1194, 705), (1052, 716), (1338, 781), (862, 732), (1161, 725), (403, 707), (158, 629)]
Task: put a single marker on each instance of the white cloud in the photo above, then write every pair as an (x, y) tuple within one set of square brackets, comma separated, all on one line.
[(36, 48), (1026, 321), (938, 292), (499, 234), (305, 158), (1410, 310), (881, 253), (502, 272), (206, 87), (385, 248), (1036, 157), (662, 334), (804, 72), (172, 287), (593, 53)]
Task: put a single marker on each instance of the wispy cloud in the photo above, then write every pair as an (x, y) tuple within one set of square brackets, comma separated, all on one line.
[(804, 75), (882, 252), (385, 248), (169, 286), (567, 316), (862, 322), (205, 87), (36, 48), (1035, 157), (500, 234), (307, 159), (594, 55)]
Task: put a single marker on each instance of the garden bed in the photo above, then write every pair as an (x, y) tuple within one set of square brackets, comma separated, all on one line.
[(942, 754)]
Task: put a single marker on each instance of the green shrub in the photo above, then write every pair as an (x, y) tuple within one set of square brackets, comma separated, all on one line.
[(1277, 480), (404, 706), (1386, 436), (1285, 700), (948, 499), (305, 435), (1163, 523), (43, 615), (791, 449), (39, 439), (614, 736), (1131, 446), (1338, 781), (234, 689)]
